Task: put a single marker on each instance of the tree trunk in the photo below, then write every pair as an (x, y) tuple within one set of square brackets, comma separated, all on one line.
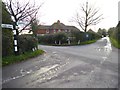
[(85, 28)]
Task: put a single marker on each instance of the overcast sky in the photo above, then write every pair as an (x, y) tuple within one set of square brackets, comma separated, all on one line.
[(64, 10)]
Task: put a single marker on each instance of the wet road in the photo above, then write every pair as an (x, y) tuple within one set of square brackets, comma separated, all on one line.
[(87, 66)]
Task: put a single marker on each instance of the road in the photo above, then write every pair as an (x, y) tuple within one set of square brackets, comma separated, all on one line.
[(86, 66)]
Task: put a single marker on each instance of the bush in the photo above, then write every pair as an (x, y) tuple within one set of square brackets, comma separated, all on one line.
[(7, 36), (7, 42), (94, 36), (27, 43), (50, 39), (60, 37), (114, 34), (47, 39), (77, 36), (82, 36)]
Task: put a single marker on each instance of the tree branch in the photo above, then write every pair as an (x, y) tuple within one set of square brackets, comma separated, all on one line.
[(89, 17)]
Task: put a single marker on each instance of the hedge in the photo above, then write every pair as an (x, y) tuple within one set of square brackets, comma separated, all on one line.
[(63, 38), (27, 43)]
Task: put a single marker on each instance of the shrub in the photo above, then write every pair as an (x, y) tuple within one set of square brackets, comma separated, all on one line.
[(26, 43), (7, 36), (46, 39), (78, 36), (50, 39), (7, 42), (94, 36), (60, 37), (114, 34)]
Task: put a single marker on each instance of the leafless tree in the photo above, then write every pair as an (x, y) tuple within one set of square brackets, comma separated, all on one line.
[(22, 12), (87, 16)]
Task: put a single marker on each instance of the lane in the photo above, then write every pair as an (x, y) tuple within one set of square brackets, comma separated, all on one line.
[(25, 74), (88, 66), (100, 69)]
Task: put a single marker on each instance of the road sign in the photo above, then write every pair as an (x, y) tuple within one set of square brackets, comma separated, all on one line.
[(7, 26)]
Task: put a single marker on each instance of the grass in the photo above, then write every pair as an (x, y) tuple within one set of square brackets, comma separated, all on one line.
[(115, 42), (88, 42), (13, 59)]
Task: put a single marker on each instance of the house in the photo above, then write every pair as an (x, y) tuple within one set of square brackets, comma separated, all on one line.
[(55, 28)]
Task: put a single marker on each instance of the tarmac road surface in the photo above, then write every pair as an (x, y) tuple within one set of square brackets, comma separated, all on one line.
[(86, 66)]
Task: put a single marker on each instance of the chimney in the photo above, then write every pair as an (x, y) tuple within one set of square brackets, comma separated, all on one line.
[(58, 21)]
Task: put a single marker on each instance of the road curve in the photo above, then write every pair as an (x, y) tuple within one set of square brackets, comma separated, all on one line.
[(86, 66)]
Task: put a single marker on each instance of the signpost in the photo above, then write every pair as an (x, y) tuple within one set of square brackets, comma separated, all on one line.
[(15, 33), (7, 26)]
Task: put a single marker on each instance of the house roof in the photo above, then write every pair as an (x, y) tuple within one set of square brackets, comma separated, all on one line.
[(91, 31), (44, 27), (72, 28), (58, 25)]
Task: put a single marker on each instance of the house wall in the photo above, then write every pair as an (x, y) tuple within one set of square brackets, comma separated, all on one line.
[(42, 31), (52, 31)]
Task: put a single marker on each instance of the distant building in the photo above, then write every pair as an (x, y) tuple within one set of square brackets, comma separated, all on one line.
[(55, 28)]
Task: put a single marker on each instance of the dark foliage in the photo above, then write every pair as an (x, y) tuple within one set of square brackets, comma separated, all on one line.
[(7, 36), (63, 38), (27, 43)]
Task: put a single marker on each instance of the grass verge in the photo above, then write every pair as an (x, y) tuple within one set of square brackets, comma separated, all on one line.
[(13, 59), (115, 43), (88, 42)]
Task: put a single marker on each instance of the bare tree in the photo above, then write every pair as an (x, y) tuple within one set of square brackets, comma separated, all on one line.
[(87, 16), (22, 12)]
